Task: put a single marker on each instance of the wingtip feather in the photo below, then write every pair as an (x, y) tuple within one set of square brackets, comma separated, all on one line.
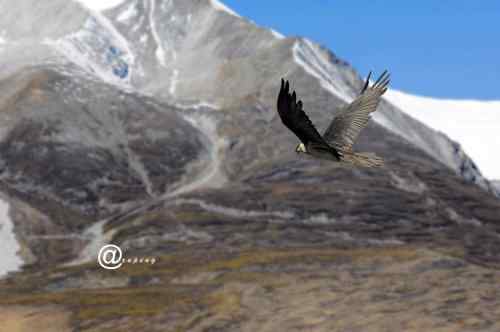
[(382, 82), (367, 82)]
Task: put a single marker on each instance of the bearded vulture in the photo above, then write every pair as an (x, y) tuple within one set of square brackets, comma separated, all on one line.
[(338, 139)]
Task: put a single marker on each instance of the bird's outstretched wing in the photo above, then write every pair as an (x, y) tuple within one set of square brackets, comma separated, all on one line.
[(346, 126), (293, 116)]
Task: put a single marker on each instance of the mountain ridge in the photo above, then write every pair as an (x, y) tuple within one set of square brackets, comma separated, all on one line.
[(185, 160), (321, 69)]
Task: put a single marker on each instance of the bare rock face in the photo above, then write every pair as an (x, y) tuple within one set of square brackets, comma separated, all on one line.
[(89, 147), (153, 126)]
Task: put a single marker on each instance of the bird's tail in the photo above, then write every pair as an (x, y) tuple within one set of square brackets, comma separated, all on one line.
[(363, 159)]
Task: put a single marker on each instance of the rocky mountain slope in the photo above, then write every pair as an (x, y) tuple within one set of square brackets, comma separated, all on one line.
[(153, 126)]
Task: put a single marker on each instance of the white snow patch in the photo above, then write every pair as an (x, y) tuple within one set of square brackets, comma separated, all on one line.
[(128, 13), (9, 247), (173, 81), (109, 27), (89, 47), (116, 35), (474, 124), (222, 7), (3, 40), (198, 105), (73, 52), (277, 35), (160, 52), (100, 4), (309, 57)]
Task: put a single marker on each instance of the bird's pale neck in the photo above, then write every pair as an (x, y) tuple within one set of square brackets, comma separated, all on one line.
[(301, 148)]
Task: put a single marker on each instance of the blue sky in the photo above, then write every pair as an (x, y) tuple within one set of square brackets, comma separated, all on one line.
[(447, 48)]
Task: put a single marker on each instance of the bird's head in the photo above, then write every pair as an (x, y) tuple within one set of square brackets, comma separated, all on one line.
[(301, 148)]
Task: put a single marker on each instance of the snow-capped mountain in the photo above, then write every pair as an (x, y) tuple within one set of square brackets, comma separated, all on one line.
[(462, 120), (106, 89), (77, 34), (167, 56), (139, 45), (474, 124), (152, 125)]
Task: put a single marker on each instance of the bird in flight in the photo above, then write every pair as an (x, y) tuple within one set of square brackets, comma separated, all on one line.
[(338, 139)]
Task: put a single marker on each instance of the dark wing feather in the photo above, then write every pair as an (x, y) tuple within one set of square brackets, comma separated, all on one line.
[(293, 116), (346, 126), (367, 82)]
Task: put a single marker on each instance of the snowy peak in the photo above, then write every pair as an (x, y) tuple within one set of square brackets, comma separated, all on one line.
[(333, 74), (169, 38), (474, 124), (127, 44), (222, 7), (100, 5)]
